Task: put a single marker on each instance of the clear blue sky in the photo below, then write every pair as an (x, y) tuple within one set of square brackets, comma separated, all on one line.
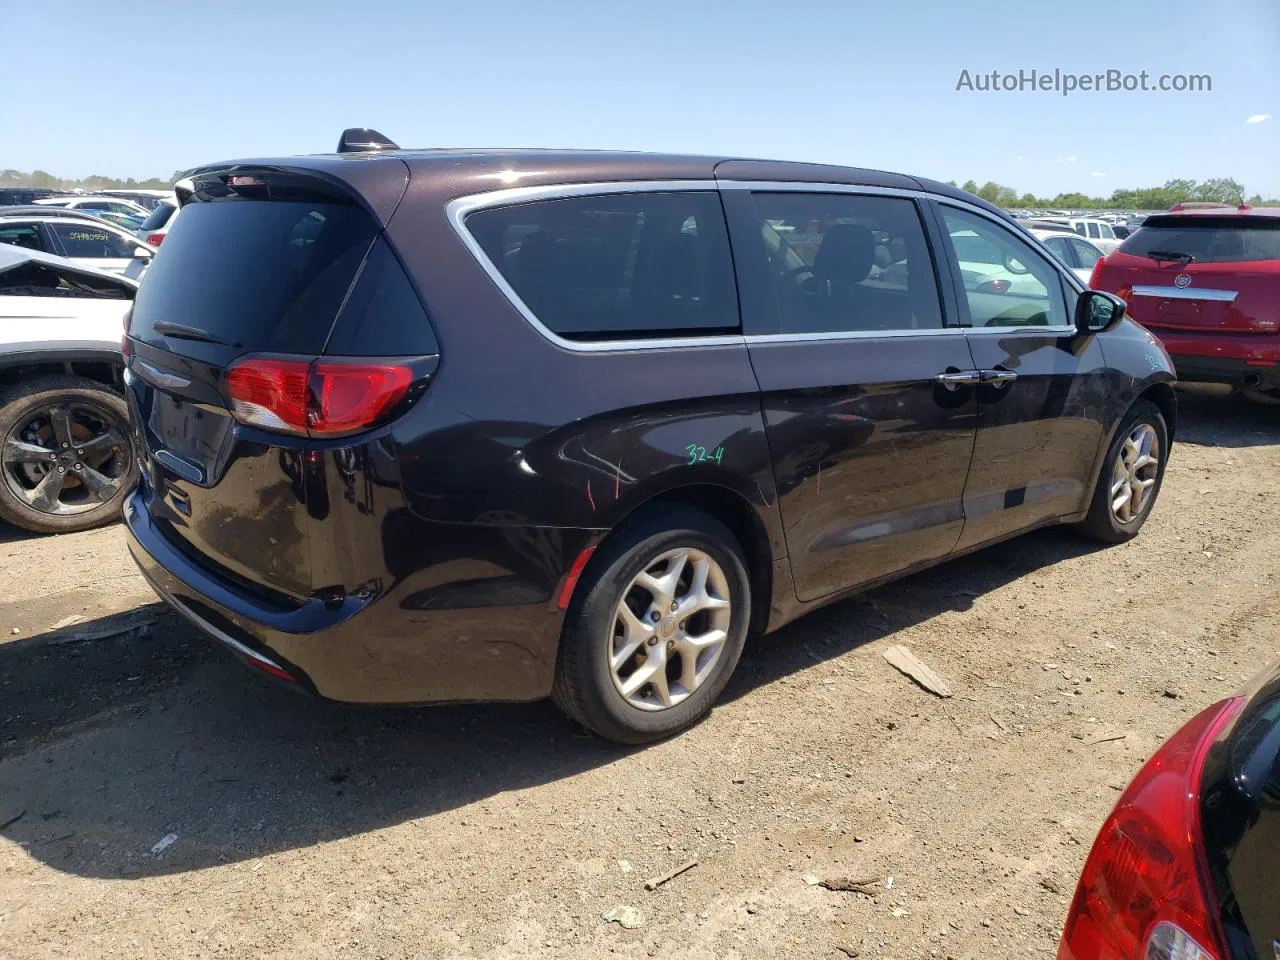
[(158, 86)]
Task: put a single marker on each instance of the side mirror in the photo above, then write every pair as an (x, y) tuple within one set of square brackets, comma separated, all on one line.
[(143, 253), (1097, 311), (1014, 265)]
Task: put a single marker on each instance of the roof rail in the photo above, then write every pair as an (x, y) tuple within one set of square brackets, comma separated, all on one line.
[(362, 139)]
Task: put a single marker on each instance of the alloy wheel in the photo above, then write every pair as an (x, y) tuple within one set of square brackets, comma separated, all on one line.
[(1134, 474), (67, 458), (669, 629)]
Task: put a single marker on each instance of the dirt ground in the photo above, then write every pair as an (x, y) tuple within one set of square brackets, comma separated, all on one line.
[(157, 800)]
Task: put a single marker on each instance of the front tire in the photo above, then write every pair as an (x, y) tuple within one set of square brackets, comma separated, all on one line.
[(1131, 476), (655, 629), (66, 454)]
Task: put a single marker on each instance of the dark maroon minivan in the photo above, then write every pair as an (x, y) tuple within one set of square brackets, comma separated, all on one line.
[(501, 424)]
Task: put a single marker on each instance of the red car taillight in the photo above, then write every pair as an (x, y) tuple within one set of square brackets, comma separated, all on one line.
[(1144, 893), (315, 398), (1097, 269), (155, 239)]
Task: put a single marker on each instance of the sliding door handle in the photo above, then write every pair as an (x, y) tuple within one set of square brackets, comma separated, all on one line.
[(998, 377), (954, 379)]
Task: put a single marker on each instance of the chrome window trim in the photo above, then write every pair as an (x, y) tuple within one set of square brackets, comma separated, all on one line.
[(1057, 330), (852, 335), (1185, 293), (458, 209)]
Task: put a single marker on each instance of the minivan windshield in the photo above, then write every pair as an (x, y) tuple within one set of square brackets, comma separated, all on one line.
[(1207, 239), (268, 275)]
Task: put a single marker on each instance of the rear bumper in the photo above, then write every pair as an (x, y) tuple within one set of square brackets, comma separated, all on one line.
[(1238, 359), (375, 650)]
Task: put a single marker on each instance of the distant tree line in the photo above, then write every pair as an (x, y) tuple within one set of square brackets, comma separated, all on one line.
[(1221, 189), (40, 178)]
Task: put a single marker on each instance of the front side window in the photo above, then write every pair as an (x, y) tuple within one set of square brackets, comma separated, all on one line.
[(1107, 232), (21, 235), (84, 240), (847, 263), (1006, 282), (616, 266)]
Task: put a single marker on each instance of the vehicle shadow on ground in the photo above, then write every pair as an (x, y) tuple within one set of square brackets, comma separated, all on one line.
[(1225, 421), (110, 745), (107, 746)]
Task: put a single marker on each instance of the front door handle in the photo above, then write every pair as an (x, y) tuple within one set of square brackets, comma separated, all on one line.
[(954, 379), (998, 377)]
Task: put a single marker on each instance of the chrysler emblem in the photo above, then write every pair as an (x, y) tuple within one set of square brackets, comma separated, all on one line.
[(1182, 280)]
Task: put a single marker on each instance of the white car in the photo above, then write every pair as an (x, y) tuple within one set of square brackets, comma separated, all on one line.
[(1076, 252), (1098, 231), (67, 459), (90, 241), (144, 198), (95, 203)]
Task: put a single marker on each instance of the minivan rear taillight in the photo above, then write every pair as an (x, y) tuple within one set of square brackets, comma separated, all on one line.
[(1144, 893), (315, 398)]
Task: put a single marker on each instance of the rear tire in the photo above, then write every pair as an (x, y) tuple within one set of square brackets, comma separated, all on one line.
[(1120, 504), (619, 632), (92, 486)]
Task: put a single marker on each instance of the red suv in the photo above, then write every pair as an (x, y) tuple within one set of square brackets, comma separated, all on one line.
[(1207, 283)]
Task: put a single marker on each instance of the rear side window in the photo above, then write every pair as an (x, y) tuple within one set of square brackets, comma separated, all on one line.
[(845, 263), (383, 317), (269, 275), (158, 217), (617, 266), (1058, 246), (1207, 239), (83, 240), (1086, 253)]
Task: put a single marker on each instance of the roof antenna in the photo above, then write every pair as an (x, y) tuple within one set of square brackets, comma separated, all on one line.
[(362, 139)]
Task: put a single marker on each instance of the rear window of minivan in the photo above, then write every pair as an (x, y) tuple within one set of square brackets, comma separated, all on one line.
[(1208, 239), (158, 217), (268, 275)]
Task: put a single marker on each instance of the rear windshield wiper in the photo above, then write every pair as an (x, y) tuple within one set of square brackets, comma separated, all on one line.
[(1170, 255), (180, 331)]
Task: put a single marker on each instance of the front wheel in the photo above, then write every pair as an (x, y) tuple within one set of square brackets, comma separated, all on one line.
[(1131, 475), (652, 638), (66, 454)]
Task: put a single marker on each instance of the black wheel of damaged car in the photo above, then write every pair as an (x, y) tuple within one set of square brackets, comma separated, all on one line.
[(67, 456)]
